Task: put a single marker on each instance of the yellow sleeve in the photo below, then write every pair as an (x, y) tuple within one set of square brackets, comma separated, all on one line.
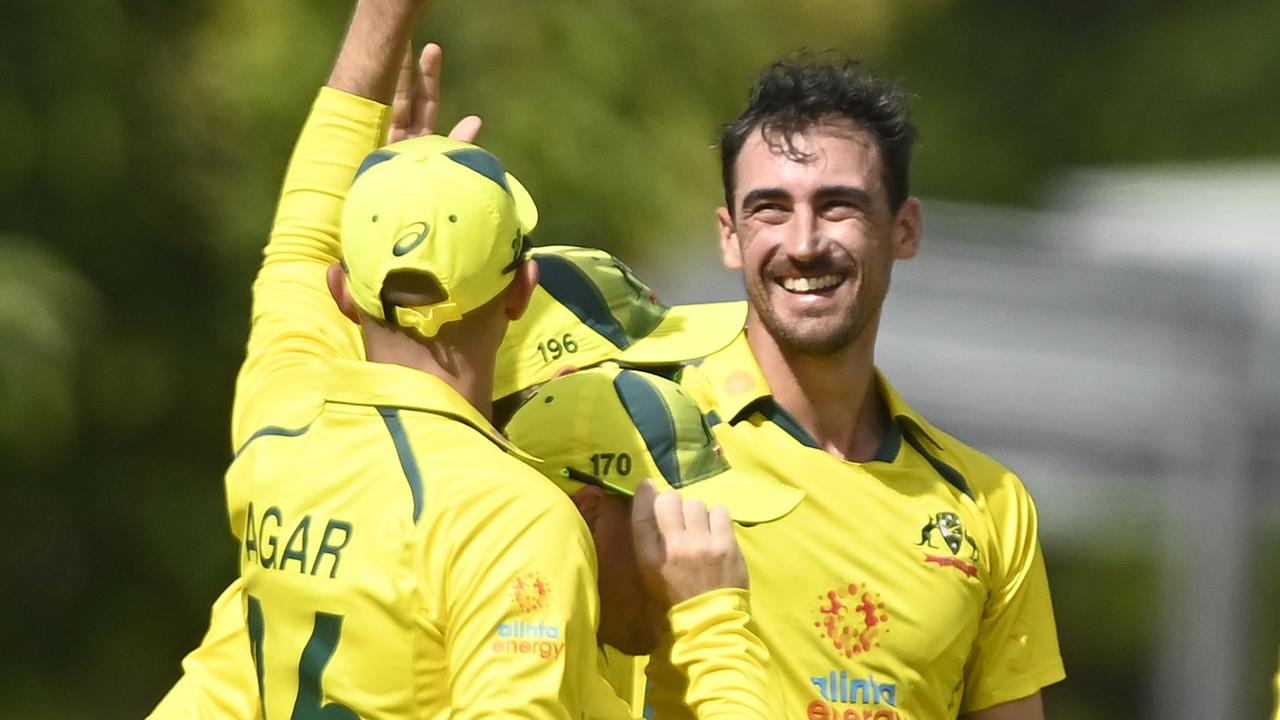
[(295, 320), (725, 662), (217, 680), (604, 703), (667, 684), (1016, 652), (521, 605), (625, 675), (1277, 692)]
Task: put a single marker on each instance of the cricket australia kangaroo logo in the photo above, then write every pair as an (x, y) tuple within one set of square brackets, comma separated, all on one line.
[(947, 527)]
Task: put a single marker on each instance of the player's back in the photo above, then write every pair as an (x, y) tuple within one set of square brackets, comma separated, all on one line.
[(383, 550)]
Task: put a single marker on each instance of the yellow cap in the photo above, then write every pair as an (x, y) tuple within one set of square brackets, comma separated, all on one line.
[(441, 208), (615, 428), (589, 307)]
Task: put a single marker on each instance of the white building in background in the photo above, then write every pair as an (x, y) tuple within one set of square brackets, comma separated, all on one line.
[(1121, 352)]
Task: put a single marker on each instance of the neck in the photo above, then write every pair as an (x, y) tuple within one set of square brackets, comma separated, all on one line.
[(834, 397), (468, 370)]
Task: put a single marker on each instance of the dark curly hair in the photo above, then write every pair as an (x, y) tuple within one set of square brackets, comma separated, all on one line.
[(806, 90)]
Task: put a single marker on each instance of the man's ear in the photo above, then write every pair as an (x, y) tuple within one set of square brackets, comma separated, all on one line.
[(730, 248), (520, 291), (908, 225), (336, 277), (589, 499)]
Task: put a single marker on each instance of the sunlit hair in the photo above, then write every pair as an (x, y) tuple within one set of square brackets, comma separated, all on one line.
[(808, 90)]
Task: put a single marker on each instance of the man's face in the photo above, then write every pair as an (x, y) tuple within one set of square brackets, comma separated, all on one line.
[(630, 618), (815, 238)]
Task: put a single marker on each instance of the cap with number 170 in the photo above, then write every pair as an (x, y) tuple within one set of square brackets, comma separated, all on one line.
[(616, 427)]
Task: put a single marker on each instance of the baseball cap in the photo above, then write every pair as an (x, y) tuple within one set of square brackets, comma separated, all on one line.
[(439, 207), (616, 427), (589, 307)]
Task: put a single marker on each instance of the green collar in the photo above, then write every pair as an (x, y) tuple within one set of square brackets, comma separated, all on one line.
[(385, 385)]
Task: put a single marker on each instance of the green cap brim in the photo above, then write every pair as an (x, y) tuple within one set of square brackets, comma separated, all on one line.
[(688, 332), (750, 499)]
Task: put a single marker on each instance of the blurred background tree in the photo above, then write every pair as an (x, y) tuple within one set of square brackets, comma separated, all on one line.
[(143, 143)]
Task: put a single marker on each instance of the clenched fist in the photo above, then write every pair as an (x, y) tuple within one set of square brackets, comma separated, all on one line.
[(683, 548)]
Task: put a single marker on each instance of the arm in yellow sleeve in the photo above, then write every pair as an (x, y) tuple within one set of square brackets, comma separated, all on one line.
[(295, 320), (625, 676), (1016, 651), (667, 684), (725, 663), (217, 680)]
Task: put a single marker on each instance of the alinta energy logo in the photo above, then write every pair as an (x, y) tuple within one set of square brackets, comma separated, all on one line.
[(529, 592), (852, 618), (947, 527)]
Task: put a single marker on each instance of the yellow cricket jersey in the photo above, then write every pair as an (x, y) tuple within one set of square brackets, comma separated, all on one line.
[(396, 560), (717, 646), (911, 586), (398, 563)]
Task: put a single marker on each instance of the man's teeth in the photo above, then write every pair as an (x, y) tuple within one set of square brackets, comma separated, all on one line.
[(805, 284)]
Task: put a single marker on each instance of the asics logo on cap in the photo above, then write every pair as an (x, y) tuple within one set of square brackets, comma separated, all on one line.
[(412, 238)]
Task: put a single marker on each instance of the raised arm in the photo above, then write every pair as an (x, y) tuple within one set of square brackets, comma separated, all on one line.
[(369, 60), (295, 321)]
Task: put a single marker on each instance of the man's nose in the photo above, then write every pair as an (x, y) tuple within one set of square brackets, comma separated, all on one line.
[(803, 240)]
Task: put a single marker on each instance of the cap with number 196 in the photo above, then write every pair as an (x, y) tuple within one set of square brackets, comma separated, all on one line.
[(589, 307), (616, 427)]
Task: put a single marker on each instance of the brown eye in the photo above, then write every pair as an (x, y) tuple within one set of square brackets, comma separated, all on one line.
[(769, 212), (839, 210)]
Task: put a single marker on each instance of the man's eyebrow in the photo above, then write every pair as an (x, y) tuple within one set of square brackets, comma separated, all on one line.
[(850, 193), (767, 193), (855, 195)]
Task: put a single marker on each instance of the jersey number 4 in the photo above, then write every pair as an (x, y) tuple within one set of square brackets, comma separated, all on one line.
[(309, 705)]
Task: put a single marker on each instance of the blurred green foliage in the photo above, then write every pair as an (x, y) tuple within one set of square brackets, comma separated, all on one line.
[(143, 141)]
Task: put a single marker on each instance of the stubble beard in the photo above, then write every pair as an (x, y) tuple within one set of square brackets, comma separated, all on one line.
[(812, 336)]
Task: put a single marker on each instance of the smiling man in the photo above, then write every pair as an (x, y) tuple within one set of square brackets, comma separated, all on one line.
[(909, 583)]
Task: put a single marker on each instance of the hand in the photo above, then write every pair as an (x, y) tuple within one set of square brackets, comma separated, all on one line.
[(683, 549), (416, 104)]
